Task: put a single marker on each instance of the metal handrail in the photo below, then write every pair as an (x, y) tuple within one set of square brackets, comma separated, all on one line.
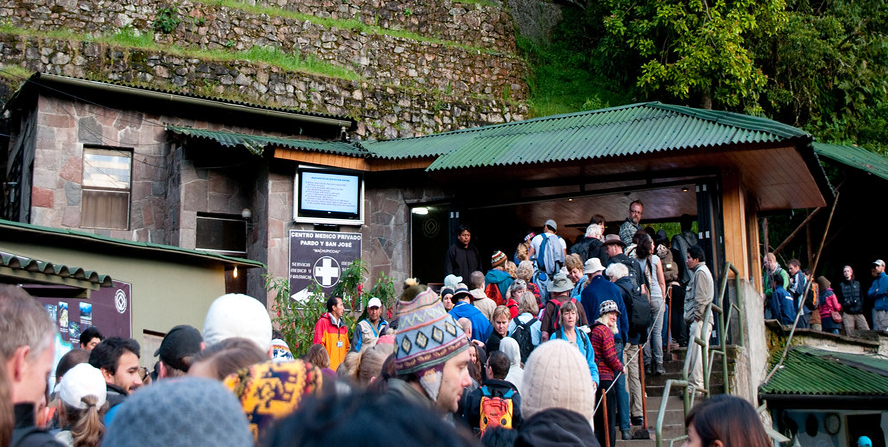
[(723, 323)]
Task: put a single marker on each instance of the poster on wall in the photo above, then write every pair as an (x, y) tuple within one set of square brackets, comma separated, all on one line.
[(108, 309), (322, 257)]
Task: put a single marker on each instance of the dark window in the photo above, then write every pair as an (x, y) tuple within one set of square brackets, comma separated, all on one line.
[(223, 233), (107, 179)]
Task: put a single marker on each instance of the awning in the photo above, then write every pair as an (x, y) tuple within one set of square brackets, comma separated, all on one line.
[(258, 143), (856, 157), (21, 269)]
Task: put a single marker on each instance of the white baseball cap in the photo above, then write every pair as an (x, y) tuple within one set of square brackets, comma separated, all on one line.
[(374, 302), (82, 380)]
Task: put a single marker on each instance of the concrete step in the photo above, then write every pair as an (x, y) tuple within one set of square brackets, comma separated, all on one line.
[(669, 432), (657, 390)]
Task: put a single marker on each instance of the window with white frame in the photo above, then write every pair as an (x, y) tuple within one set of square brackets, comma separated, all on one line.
[(105, 192)]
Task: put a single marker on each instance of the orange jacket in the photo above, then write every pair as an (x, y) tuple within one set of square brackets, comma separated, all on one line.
[(334, 337)]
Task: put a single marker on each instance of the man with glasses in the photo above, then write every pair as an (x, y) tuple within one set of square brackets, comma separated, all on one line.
[(632, 224)]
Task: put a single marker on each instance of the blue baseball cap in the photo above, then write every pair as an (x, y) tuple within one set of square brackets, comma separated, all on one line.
[(864, 442)]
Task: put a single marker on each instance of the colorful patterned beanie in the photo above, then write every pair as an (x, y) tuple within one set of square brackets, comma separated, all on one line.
[(271, 390), (427, 337)]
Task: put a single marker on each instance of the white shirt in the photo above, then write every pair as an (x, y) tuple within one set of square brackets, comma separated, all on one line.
[(538, 240)]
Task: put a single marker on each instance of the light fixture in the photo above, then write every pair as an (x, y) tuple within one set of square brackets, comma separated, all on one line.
[(420, 210), (246, 213), (570, 200), (684, 189), (234, 273)]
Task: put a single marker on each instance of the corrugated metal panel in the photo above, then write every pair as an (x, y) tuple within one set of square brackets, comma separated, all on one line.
[(856, 157), (258, 143), (620, 131), (809, 371), (16, 262), (10, 226)]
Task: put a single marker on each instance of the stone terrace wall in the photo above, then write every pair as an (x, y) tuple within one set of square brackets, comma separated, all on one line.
[(380, 59), (471, 24), (382, 111)]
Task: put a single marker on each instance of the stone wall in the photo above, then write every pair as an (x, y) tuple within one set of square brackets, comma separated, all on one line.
[(382, 111), (488, 26), (474, 66)]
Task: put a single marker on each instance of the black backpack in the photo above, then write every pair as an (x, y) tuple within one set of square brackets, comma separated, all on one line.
[(638, 307), (521, 334)]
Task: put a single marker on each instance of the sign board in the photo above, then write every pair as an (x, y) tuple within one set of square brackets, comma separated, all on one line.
[(320, 256), (108, 309)]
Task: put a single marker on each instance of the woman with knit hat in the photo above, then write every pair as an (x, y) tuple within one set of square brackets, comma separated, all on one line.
[(602, 337), (568, 332), (557, 398)]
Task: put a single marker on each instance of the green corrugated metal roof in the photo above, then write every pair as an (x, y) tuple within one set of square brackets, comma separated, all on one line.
[(16, 262), (8, 225), (257, 143), (856, 157), (618, 131), (810, 371)]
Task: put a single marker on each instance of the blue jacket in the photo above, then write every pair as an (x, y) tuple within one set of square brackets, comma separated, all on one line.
[(586, 349), (599, 291), (783, 305), (481, 327), (878, 292)]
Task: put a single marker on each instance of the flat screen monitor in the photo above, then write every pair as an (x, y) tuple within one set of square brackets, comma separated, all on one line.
[(328, 197)]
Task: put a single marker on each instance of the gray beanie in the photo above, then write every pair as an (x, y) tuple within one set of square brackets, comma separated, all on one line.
[(186, 412), (557, 376)]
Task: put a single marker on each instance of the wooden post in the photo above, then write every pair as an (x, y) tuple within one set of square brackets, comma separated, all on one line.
[(644, 413), (607, 439)]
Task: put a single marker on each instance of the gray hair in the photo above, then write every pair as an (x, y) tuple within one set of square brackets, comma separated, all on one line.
[(23, 322), (527, 303), (616, 271), (593, 230), (525, 270), (476, 280)]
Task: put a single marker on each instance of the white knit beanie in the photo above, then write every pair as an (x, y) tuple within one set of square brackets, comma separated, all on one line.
[(237, 315), (557, 376)]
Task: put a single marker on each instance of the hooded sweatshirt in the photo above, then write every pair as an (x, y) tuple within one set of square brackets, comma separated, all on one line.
[(556, 427)]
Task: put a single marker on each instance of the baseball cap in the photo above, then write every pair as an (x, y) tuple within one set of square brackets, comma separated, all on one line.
[(551, 223), (879, 262), (374, 302), (83, 380), (864, 441), (180, 342)]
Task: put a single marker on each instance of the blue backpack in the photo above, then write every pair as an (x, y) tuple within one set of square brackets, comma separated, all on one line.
[(550, 259)]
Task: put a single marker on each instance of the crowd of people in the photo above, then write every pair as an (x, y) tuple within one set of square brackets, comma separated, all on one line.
[(543, 351), (793, 297)]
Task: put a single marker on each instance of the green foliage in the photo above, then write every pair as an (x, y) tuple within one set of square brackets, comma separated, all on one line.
[(167, 20), (828, 71), (129, 37), (296, 320), (408, 12), (562, 80), (686, 51)]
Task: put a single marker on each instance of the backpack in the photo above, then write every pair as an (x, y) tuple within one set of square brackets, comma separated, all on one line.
[(639, 308), (557, 317), (550, 259), (496, 410), (670, 269), (522, 335), (493, 292)]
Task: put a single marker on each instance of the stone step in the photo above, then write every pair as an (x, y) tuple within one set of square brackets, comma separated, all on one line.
[(669, 432), (657, 390)]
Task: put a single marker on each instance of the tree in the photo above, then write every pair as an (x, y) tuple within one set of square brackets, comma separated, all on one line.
[(828, 70), (689, 51)]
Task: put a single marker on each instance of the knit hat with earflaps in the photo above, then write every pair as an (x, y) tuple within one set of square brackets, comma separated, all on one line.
[(427, 338), (557, 376)]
